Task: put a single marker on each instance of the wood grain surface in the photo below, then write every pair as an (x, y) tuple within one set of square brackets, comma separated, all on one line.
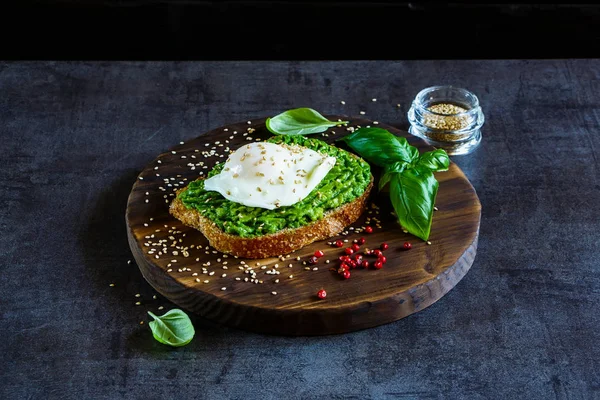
[(177, 261)]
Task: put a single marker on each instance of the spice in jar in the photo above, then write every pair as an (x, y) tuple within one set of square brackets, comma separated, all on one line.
[(447, 118)]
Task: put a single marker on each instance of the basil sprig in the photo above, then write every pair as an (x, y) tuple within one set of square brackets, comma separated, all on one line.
[(173, 328), (300, 121), (413, 187)]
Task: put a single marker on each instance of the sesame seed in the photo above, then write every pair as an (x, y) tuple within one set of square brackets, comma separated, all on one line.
[(223, 288), (375, 123), (111, 285), (160, 308), (137, 295), (141, 179), (173, 152), (276, 280), (428, 242), (362, 113), (435, 208), (206, 281), (343, 102), (138, 303), (274, 293), (374, 100), (249, 122)]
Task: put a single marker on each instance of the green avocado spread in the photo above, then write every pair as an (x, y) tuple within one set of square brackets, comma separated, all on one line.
[(346, 181)]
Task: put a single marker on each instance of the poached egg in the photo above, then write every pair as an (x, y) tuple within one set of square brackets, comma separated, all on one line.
[(269, 175)]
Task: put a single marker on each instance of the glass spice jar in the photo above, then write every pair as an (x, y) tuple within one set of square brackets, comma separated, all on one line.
[(447, 117)]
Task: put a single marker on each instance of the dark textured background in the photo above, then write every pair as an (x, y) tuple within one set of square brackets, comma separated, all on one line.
[(523, 323)]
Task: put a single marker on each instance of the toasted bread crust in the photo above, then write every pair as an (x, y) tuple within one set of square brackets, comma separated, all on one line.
[(275, 244)]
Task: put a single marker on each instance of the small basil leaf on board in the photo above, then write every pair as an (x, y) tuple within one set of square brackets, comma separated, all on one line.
[(390, 170), (413, 193), (436, 160), (300, 121), (173, 328), (380, 147)]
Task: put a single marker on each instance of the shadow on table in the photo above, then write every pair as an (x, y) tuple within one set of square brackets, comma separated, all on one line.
[(106, 254)]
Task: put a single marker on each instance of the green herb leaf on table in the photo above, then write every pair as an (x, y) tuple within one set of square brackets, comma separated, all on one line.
[(436, 160), (300, 121), (409, 174), (174, 328), (413, 193), (380, 147), (389, 172)]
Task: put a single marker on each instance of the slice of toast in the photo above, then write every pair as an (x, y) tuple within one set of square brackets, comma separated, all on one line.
[(279, 243)]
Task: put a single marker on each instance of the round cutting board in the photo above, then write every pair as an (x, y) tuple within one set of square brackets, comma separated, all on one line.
[(179, 263)]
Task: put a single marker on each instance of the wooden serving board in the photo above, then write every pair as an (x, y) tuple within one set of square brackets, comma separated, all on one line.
[(177, 261)]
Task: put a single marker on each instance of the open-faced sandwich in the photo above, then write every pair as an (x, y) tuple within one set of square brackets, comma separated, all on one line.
[(274, 197)]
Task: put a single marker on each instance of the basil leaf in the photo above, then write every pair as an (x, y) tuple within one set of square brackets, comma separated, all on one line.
[(300, 121), (380, 147), (413, 193), (436, 160), (389, 171), (174, 328)]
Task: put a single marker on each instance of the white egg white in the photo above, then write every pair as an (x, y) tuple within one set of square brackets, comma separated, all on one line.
[(269, 175)]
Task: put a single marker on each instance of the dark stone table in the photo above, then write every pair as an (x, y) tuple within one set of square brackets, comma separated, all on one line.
[(523, 323)]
